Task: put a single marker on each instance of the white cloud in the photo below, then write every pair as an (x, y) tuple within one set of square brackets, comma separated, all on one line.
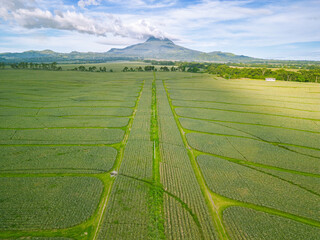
[(149, 4), (240, 26), (33, 18), (84, 3)]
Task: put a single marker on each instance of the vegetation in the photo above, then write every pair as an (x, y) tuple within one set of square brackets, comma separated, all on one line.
[(166, 154), (91, 69), (62, 134), (36, 66), (241, 221), (35, 203), (225, 71), (256, 145)]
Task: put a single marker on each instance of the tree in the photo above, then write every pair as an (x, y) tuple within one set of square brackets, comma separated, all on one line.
[(193, 69), (82, 68), (92, 69), (164, 69), (149, 68), (53, 66)]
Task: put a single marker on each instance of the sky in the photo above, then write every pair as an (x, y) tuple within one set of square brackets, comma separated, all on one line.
[(271, 29)]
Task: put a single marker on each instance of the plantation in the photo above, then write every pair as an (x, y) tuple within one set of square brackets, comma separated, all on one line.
[(42, 202), (157, 155), (239, 222)]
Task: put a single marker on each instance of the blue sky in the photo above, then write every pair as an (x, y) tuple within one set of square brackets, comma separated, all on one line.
[(271, 29)]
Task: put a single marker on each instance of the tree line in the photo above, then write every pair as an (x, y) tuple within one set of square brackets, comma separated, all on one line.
[(36, 66), (225, 71), (91, 69), (180, 68)]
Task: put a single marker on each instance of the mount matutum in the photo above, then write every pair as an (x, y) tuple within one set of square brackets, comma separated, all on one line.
[(153, 48)]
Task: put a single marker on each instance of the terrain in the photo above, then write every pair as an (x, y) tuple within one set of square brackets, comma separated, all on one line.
[(152, 48), (157, 155)]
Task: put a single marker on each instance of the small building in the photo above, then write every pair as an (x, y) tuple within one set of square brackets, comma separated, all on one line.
[(270, 79), (113, 173)]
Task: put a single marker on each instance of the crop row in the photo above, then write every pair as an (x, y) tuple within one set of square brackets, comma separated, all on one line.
[(91, 159), (73, 111), (18, 122), (47, 202), (243, 223), (127, 214), (179, 224), (61, 136), (309, 183), (248, 185), (178, 178), (244, 117), (53, 127), (249, 109), (273, 124), (258, 152)]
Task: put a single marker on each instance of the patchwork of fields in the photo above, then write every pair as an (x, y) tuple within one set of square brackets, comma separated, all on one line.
[(196, 157)]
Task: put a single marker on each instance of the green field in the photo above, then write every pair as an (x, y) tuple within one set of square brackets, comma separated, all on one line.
[(196, 156)]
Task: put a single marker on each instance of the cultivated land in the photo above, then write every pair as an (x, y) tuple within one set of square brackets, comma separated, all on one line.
[(196, 156)]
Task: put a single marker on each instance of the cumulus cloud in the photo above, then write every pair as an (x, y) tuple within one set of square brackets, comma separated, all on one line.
[(32, 18), (149, 4), (84, 3)]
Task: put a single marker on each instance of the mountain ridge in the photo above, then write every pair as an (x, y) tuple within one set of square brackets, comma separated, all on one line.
[(153, 48)]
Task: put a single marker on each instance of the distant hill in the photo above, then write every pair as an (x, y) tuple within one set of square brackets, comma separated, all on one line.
[(153, 48)]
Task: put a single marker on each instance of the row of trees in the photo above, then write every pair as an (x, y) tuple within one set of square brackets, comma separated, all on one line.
[(52, 66), (2, 65), (91, 69), (139, 69), (228, 72), (181, 68), (283, 64), (36, 66), (155, 62)]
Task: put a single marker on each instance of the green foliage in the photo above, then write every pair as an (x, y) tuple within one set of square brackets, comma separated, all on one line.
[(35, 159), (149, 68), (248, 185), (90, 68), (186, 205), (36, 66), (312, 75), (257, 146), (164, 69), (47, 202), (154, 62), (186, 147), (250, 224), (129, 214), (61, 122)]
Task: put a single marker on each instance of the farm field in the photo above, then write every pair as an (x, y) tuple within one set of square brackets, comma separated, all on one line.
[(160, 155)]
